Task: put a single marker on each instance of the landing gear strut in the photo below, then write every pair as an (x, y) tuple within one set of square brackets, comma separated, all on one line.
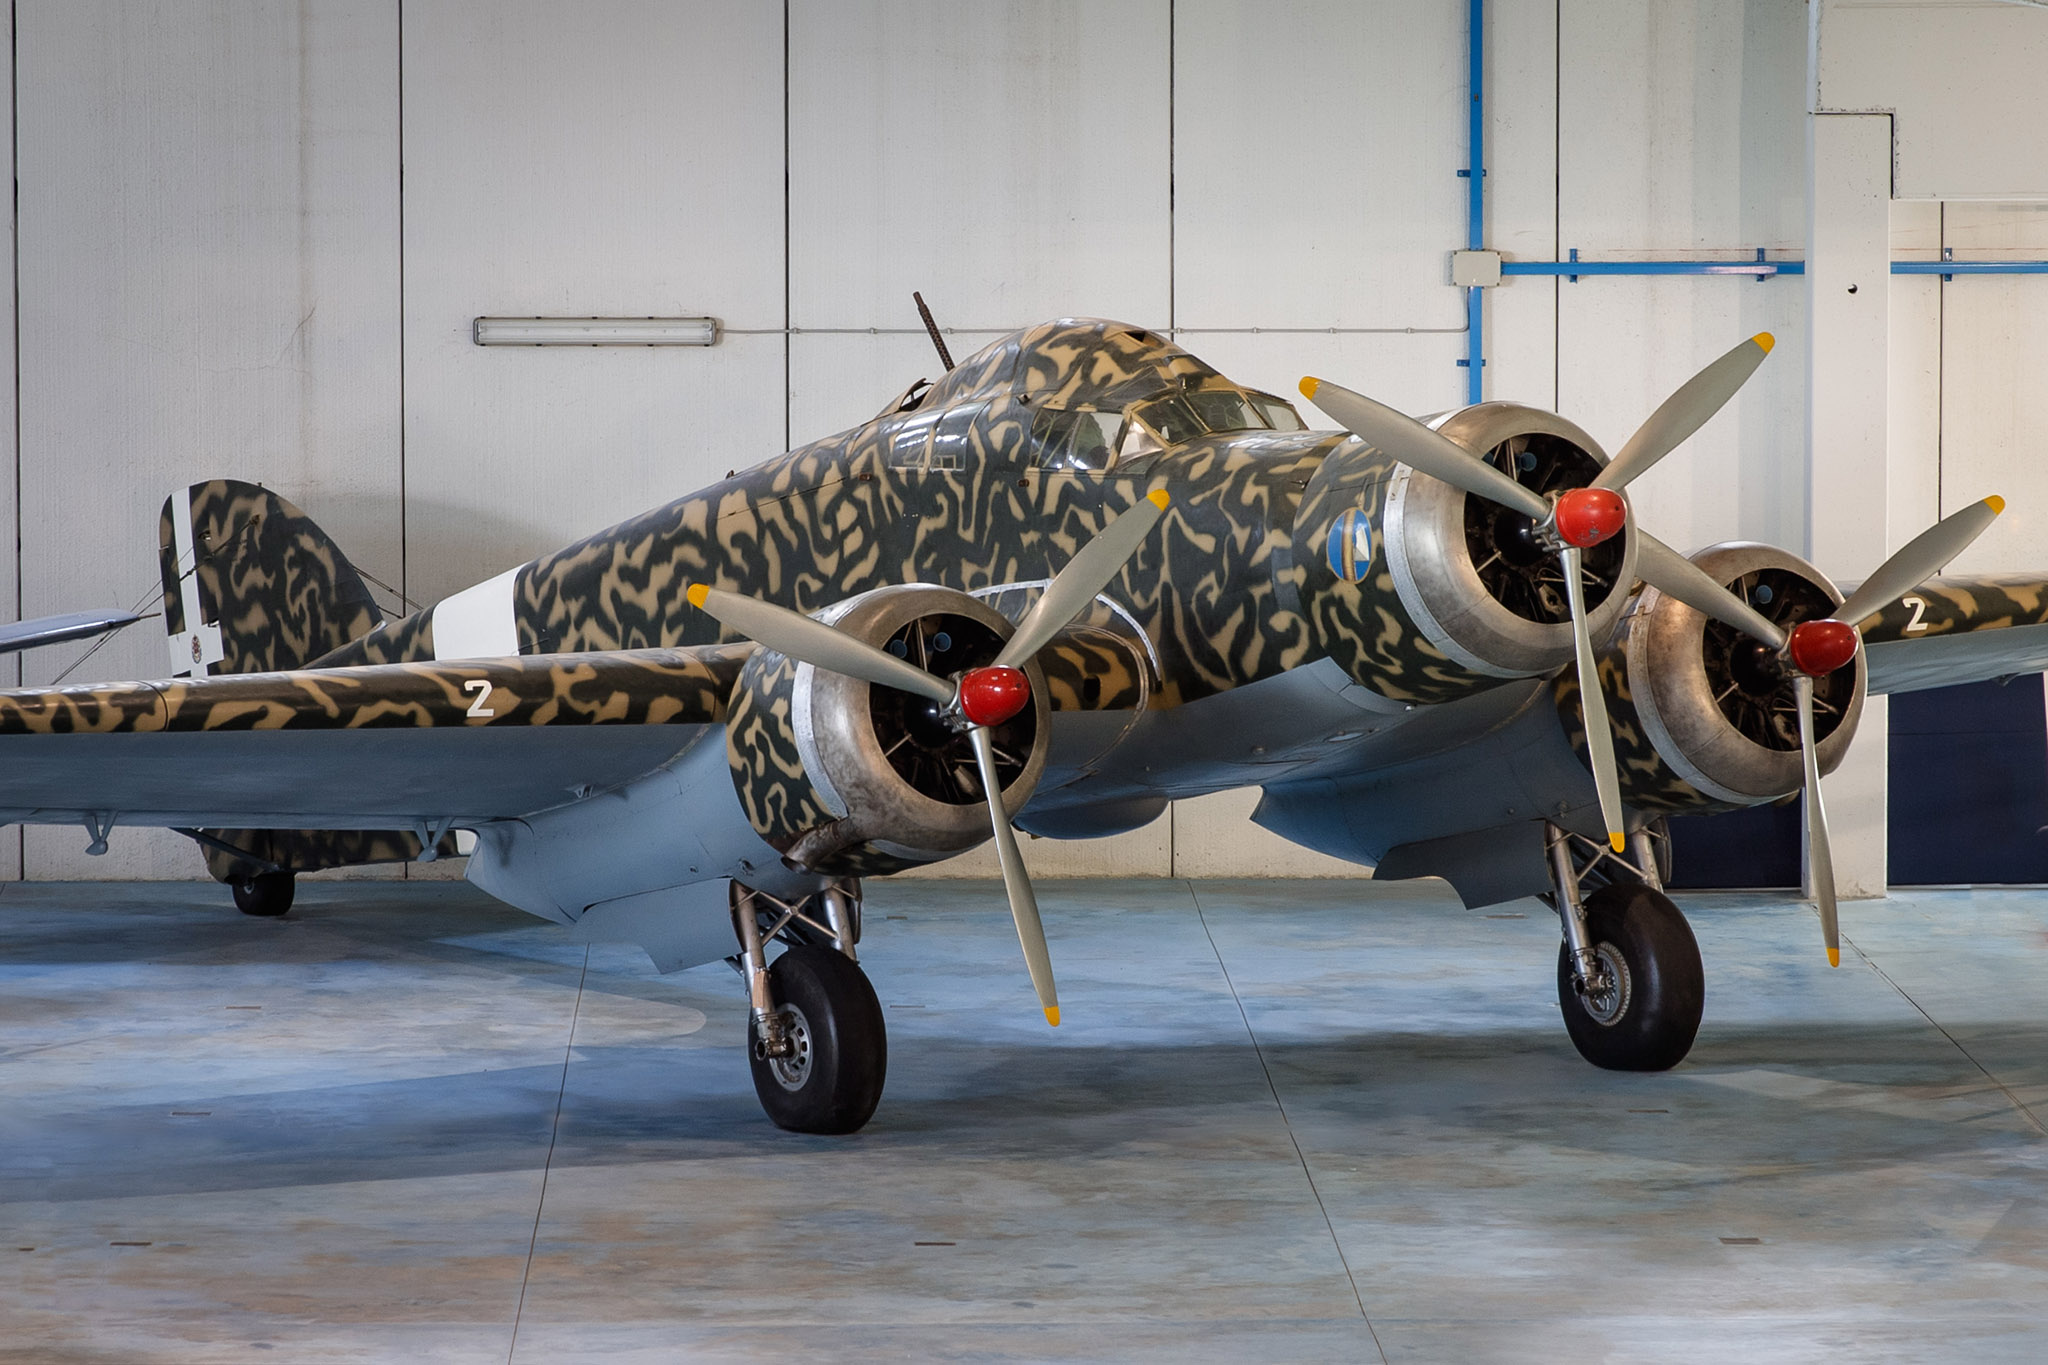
[(1629, 978), (815, 1038)]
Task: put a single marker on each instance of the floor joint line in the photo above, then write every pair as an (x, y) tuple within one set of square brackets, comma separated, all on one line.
[(554, 1131), (1286, 1122), (2026, 1113)]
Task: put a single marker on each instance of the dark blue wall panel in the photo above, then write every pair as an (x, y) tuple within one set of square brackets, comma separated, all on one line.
[(1969, 784), (1969, 800)]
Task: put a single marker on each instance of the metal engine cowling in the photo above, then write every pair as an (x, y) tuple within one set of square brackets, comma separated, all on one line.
[(1458, 593), (845, 778), (1469, 571), (1705, 717)]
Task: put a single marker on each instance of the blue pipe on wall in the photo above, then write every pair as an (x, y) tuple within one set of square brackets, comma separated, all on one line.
[(1475, 229), (1475, 192)]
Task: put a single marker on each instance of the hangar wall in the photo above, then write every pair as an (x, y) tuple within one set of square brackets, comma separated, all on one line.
[(220, 267)]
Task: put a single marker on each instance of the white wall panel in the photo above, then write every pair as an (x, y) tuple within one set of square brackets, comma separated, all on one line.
[(1962, 79), (1993, 404), (1626, 343), (617, 158), (1316, 151), (1680, 136), (1913, 385), (1008, 159), (1520, 324), (1416, 374), (1682, 126), (209, 252)]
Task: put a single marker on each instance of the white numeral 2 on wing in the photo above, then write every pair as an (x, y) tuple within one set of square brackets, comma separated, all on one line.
[(482, 688), (1919, 606)]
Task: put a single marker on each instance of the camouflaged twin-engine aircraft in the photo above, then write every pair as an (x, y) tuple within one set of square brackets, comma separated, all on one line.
[(1081, 575)]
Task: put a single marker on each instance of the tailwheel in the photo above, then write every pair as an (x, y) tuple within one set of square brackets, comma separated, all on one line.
[(267, 894), (1638, 1007), (824, 1072)]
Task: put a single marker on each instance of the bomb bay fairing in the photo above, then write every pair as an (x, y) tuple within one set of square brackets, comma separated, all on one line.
[(1081, 575)]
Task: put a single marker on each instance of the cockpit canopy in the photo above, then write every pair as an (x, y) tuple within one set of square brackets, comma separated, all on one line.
[(1092, 441)]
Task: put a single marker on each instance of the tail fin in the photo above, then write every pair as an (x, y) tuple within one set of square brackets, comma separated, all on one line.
[(251, 584)]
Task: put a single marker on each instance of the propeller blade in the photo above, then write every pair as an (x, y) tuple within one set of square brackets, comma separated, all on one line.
[(1016, 881), (1085, 575), (1920, 560), (814, 642), (1593, 705), (1820, 859), (1672, 574), (1686, 411), (1416, 446)]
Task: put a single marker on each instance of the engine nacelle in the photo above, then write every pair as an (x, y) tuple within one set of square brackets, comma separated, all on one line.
[(1423, 592), (1704, 717), (847, 779)]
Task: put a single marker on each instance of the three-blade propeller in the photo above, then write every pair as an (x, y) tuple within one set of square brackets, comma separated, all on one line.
[(973, 701), (1574, 520), (1814, 648)]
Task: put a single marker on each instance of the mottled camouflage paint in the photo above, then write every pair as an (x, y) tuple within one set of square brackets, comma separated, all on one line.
[(644, 687), (281, 592), (840, 516), (1648, 783), (1945, 606), (1364, 626), (313, 850)]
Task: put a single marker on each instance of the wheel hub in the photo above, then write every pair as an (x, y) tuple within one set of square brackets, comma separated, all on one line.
[(1605, 997), (794, 1068)]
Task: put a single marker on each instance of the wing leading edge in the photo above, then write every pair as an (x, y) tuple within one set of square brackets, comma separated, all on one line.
[(382, 747), (1958, 630)]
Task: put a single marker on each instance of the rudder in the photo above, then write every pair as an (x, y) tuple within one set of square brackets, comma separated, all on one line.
[(252, 584)]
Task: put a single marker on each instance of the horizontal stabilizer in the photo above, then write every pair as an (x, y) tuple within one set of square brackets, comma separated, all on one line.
[(55, 630)]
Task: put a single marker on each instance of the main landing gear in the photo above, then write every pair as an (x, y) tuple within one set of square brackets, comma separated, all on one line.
[(815, 1037), (1628, 973)]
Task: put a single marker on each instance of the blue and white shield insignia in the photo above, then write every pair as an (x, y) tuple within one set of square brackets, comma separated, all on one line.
[(1350, 545)]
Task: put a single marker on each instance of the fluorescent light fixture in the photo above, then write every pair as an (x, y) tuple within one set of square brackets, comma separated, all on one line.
[(595, 331)]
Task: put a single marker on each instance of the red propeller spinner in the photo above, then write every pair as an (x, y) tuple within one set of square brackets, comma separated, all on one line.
[(1586, 516), (1819, 647), (991, 695)]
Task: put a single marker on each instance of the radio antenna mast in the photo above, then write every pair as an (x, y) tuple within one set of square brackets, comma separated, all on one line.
[(945, 356)]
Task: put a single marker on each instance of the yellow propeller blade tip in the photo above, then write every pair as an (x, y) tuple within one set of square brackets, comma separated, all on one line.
[(1995, 503), (1158, 497), (1052, 1015), (1834, 957), (1765, 340), (1309, 387), (1620, 841), (698, 594)]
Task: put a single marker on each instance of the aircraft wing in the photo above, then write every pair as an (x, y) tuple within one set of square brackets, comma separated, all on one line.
[(1958, 630), (380, 747)]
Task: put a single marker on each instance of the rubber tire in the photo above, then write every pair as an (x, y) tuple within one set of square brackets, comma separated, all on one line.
[(1668, 990), (267, 894), (849, 1044)]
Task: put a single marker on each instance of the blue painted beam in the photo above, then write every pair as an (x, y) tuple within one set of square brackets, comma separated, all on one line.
[(1947, 268)]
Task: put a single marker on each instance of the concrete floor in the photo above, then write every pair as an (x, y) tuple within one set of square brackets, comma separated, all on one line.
[(1283, 1121)]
